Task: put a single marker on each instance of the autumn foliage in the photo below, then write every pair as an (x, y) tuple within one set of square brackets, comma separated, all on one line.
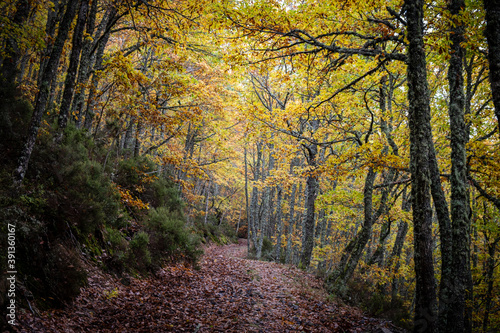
[(354, 140)]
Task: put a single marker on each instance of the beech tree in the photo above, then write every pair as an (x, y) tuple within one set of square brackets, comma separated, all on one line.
[(492, 35), (420, 140), (46, 78)]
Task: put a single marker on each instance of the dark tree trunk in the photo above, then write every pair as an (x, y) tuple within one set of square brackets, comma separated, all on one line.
[(53, 17), (97, 66), (395, 258), (420, 141), (279, 222), (446, 241), (91, 100), (246, 201), (354, 250), (269, 216), (490, 269), (492, 8), (254, 205), (263, 218), (379, 254), (456, 314), (137, 143), (47, 77), (299, 216), (86, 59), (311, 190), (290, 220), (74, 60)]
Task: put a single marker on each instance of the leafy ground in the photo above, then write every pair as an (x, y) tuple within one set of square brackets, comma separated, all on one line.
[(228, 294)]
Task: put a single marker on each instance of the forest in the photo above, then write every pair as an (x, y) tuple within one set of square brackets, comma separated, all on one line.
[(357, 141)]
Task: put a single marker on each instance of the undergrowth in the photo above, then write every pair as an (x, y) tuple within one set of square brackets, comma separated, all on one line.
[(374, 299), (81, 204)]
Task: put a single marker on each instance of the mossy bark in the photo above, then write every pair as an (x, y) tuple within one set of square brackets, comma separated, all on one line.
[(74, 60), (425, 319), (309, 217), (455, 310), (492, 8)]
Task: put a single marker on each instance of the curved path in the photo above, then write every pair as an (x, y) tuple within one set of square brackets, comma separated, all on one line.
[(227, 294)]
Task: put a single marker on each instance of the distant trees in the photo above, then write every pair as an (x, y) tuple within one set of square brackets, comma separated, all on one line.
[(319, 47)]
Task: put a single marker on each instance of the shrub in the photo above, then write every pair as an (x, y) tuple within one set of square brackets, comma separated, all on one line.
[(15, 116), (267, 250), (243, 231), (66, 200), (169, 237), (221, 234), (139, 255), (133, 173), (163, 193), (78, 193), (372, 298), (64, 273), (50, 267), (115, 240), (89, 199)]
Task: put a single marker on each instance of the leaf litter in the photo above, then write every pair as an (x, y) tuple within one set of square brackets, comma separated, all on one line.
[(227, 294)]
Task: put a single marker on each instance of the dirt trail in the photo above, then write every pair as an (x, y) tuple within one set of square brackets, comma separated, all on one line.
[(228, 294)]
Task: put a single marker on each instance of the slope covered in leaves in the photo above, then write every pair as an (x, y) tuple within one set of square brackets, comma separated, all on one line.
[(227, 294)]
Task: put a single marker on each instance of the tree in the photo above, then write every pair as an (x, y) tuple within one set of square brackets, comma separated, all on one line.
[(420, 141), (69, 85), (455, 314), (48, 75), (493, 37)]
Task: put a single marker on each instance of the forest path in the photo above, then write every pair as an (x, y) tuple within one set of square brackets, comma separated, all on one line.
[(227, 294)]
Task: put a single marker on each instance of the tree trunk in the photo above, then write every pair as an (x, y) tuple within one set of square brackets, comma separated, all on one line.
[(279, 222), (490, 269), (256, 225), (99, 56), (254, 215), (91, 99), (127, 138), (53, 17), (396, 256), (86, 60), (456, 315), (420, 140), (398, 248), (207, 195), (492, 8), (311, 190), (379, 253), (74, 60), (290, 219), (47, 77), (246, 200), (137, 143), (268, 228), (354, 249), (325, 232)]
